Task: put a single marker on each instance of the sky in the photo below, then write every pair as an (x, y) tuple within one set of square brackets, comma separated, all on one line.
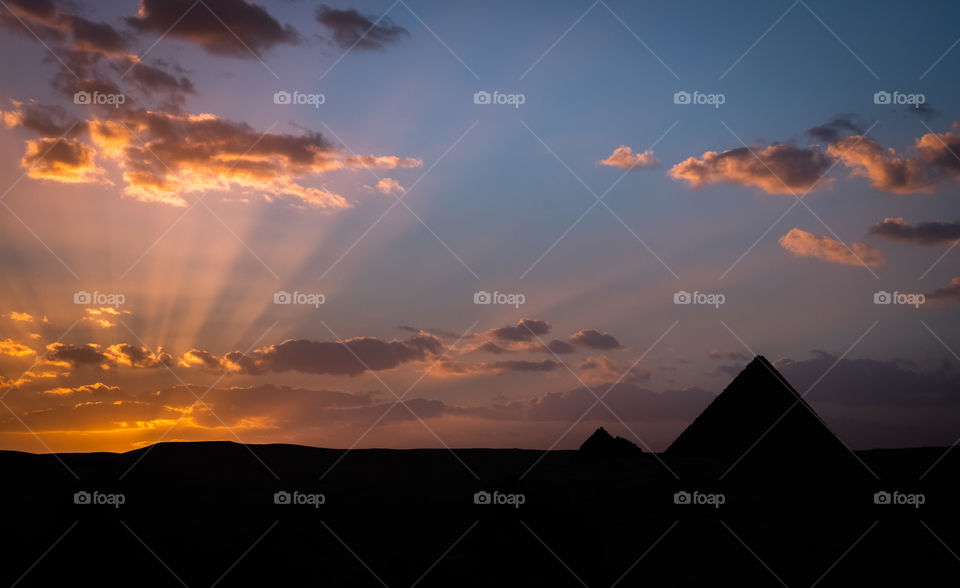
[(431, 224)]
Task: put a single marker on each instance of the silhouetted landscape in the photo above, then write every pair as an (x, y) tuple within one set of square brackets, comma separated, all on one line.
[(797, 509)]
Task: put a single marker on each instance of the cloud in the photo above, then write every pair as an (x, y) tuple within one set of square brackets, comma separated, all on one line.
[(94, 355), (45, 19), (62, 160), (560, 347), (923, 233), (595, 339), (137, 356), (389, 186), (491, 347), (98, 388), (11, 348), (455, 368), (841, 125), (100, 316), (525, 330), (885, 169), (777, 169), (153, 79), (77, 355), (43, 119), (165, 155), (946, 292), (354, 30), (602, 369), (236, 28), (624, 158), (804, 244), (351, 357), (22, 317)]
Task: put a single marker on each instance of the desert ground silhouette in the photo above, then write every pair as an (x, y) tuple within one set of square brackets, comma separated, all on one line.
[(756, 492)]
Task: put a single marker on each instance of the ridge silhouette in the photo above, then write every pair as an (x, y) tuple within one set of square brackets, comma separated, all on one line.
[(602, 443), (759, 412)]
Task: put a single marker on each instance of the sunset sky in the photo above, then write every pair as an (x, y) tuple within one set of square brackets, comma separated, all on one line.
[(788, 162)]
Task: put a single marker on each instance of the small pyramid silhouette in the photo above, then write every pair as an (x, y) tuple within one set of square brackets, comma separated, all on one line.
[(761, 412), (603, 443)]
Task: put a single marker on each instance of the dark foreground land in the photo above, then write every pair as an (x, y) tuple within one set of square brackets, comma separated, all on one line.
[(196, 514)]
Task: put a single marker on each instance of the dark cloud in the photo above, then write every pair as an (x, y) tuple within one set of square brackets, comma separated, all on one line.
[(951, 292), (456, 368), (595, 339), (152, 79), (63, 160), (97, 37), (925, 111), (76, 355), (923, 233), (777, 169), (43, 119), (48, 21), (840, 126), (348, 358), (354, 30), (224, 27), (137, 356), (524, 331), (602, 369), (560, 347), (491, 347)]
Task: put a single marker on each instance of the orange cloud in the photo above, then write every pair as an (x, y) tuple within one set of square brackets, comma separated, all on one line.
[(804, 244), (624, 158), (777, 169), (885, 169), (22, 317), (65, 160), (11, 348), (389, 186), (100, 316), (164, 155)]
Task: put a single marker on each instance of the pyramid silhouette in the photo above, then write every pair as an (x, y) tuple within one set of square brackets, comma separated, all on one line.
[(603, 443), (761, 412)]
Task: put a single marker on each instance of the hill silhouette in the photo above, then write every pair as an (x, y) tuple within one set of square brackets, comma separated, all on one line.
[(760, 413)]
